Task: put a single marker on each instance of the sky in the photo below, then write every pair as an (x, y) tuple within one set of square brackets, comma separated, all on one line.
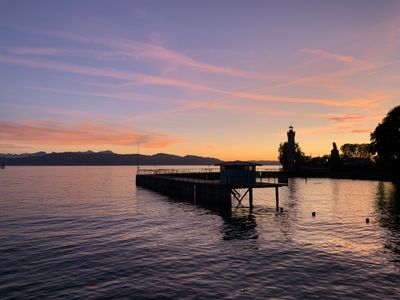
[(221, 78)]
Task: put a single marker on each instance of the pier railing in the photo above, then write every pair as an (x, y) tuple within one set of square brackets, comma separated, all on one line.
[(146, 171), (265, 175), (176, 171), (204, 185)]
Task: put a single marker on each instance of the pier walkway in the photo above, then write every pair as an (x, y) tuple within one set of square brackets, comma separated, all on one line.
[(204, 186)]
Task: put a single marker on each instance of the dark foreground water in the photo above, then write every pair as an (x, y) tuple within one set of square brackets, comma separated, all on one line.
[(88, 232)]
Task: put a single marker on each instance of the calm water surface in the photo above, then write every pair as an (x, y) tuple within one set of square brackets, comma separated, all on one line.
[(89, 232)]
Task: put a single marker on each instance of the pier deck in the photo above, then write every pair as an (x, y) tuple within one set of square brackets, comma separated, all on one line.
[(203, 187)]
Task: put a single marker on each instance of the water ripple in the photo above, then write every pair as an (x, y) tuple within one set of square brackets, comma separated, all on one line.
[(65, 234)]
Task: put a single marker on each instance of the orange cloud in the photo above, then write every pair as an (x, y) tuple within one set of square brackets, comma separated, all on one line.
[(362, 130), (346, 117), (162, 142), (331, 129), (50, 133), (210, 146), (355, 117), (13, 147)]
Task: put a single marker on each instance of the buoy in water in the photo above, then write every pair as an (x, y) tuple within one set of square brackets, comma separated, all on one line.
[(313, 214)]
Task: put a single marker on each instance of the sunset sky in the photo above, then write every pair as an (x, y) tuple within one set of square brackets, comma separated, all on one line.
[(212, 78)]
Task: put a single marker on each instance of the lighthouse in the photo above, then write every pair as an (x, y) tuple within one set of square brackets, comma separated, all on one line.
[(291, 150)]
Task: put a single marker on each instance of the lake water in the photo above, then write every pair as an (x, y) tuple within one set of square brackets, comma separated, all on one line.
[(89, 232)]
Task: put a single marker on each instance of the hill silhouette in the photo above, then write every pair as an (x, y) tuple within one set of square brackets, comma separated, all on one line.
[(101, 158)]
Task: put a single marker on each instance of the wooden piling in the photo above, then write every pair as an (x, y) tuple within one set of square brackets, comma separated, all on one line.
[(251, 197)]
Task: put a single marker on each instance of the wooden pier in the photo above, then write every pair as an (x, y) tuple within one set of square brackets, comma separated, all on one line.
[(206, 187)]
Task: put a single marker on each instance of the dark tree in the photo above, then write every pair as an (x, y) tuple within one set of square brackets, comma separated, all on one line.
[(386, 141), (365, 151), (283, 159)]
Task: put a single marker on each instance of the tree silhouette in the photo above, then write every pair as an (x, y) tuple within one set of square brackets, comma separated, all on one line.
[(299, 156), (386, 141), (365, 151)]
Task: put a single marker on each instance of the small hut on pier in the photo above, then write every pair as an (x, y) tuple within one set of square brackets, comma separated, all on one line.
[(238, 172)]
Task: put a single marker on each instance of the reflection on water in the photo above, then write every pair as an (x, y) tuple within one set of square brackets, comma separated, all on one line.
[(240, 224), (387, 205), (387, 213), (88, 232)]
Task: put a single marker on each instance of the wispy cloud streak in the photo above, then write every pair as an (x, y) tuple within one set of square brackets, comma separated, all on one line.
[(330, 55), (156, 80), (70, 113), (347, 117), (13, 147), (89, 53), (124, 49)]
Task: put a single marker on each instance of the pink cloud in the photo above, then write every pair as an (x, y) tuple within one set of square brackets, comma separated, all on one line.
[(153, 52), (394, 78), (103, 72), (336, 80), (51, 133), (331, 56), (356, 102), (156, 80)]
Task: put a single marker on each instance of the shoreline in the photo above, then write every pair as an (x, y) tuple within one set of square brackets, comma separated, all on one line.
[(354, 175)]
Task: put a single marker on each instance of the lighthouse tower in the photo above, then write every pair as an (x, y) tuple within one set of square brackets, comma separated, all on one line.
[(291, 150)]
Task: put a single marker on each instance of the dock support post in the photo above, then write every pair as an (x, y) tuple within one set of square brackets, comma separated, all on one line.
[(194, 194), (277, 198), (251, 197)]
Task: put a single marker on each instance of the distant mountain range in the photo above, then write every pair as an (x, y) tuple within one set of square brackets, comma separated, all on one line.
[(105, 158), (101, 158)]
